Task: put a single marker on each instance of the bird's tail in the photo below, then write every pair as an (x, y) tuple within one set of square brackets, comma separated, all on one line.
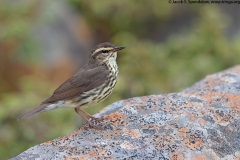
[(38, 109)]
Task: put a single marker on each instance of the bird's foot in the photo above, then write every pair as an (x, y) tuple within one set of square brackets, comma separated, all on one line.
[(95, 123), (96, 119), (94, 126)]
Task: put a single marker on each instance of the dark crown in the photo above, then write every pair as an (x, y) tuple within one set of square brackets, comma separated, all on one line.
[(103, 45)]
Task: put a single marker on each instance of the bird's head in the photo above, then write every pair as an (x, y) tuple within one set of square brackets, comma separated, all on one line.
[(105, 52)]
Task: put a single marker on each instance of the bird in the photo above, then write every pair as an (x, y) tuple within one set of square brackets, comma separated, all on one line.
[(93, 83)]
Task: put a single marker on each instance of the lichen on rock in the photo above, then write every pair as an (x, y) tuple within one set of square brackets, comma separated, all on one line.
[(201, 122)]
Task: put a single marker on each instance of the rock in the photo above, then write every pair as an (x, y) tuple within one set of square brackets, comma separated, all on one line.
[(200, 123)]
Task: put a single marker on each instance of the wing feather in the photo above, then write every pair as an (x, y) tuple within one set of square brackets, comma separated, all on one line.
[(88, 78)]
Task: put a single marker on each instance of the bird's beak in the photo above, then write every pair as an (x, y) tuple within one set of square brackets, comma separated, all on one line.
[(118, 48)]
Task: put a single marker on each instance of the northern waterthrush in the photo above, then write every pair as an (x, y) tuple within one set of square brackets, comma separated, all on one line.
[(90, 85)]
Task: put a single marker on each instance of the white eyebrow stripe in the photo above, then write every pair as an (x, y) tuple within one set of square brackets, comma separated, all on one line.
[(100, 49)]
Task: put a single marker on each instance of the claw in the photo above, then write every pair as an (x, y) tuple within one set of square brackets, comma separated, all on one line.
[(96, 119), (90, 126)]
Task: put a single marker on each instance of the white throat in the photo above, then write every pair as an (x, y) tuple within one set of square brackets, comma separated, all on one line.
[(112, 62)]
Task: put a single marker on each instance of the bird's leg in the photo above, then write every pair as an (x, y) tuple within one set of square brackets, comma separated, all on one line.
[(80, 112), (89, 115)]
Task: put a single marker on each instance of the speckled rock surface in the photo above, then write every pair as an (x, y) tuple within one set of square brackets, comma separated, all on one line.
[(199, 123)]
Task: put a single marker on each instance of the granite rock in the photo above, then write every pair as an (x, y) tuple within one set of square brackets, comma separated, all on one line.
[(200, 123)]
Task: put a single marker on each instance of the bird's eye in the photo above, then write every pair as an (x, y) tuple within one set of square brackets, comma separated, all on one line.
[(104, 51)]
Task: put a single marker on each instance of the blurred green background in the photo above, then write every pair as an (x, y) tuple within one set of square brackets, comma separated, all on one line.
[(168, 47)]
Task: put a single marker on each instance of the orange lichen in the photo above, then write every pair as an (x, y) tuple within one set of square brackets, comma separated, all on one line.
[(176, 156), (235, 101), (184, 129), (197, 157), (192, 117), (183, 132), (128, 145), (134, 133), (114, 116)]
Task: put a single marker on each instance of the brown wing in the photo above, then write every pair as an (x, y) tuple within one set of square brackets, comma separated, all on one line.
[(86, 79)]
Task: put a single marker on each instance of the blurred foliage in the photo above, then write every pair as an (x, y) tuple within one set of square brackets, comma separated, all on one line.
[(148, 65)]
